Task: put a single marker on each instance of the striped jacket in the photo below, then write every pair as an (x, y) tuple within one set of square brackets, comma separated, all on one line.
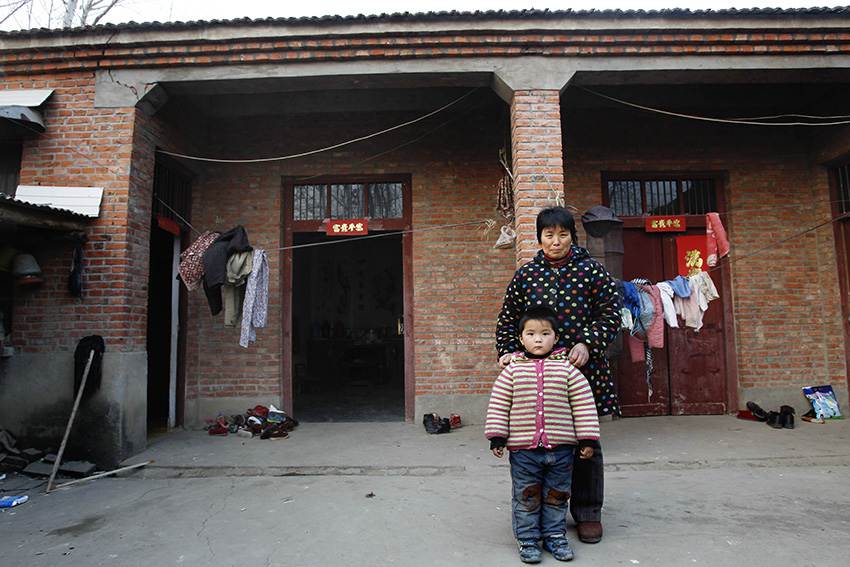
[(542, 402)]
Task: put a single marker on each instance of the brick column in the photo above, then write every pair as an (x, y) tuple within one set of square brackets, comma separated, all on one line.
[(538, 163)]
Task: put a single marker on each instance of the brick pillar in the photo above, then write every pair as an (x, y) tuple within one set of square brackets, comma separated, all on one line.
[(538, 163)]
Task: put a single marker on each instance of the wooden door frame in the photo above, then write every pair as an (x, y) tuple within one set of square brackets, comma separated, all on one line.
[(288, 229), (721, 179), (841, 254)]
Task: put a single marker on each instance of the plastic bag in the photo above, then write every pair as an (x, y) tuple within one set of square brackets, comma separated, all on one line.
[(506, 238), (823, 400)]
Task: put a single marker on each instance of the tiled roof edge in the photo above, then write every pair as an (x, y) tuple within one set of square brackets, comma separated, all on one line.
[(837, 11)]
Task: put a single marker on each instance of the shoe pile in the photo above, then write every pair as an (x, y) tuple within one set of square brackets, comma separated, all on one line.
[(262, 421), (435, 424), (782, 419)]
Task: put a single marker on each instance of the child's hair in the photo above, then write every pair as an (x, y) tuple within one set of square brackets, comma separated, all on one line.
[(538, 313)]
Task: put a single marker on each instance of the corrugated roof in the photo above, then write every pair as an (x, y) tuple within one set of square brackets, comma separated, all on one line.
[(838, 11), (8, 199)]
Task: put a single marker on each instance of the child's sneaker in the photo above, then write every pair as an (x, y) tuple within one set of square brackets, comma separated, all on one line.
[(529, 551), (559, 547)]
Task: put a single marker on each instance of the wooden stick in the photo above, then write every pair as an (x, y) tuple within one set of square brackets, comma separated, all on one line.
[(100, 475), (70, 423)]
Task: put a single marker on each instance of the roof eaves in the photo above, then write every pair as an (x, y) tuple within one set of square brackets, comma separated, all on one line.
[(454, 15)]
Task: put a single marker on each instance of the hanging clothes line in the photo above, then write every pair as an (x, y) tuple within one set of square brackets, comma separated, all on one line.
[(709, 118), (325, 149)]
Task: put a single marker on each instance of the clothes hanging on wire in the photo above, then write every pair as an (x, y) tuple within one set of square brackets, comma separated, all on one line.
[(667, 304), (191, 267), (649, 326), (239, 267), (631, 299), (693, 307), (717, 241), (255, 307), (231, 242), (680, 286)]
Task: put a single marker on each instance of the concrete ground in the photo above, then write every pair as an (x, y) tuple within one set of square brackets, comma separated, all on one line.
[(679, 491)]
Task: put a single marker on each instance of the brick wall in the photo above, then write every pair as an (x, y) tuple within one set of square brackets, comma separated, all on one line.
[(787, 309), (100, 147), (459, 278), (538, 165), (83, 146)]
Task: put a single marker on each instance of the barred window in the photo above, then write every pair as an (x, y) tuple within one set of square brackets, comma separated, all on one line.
[(348, 200), (661, 196), (841, 175)]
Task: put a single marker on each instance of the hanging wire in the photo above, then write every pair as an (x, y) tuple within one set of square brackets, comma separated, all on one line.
[(325, 149), (178, 215), (732, 260), (483, 222), (708, 118)]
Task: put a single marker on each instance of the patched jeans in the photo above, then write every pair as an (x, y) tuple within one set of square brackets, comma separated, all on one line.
[(541, 481)]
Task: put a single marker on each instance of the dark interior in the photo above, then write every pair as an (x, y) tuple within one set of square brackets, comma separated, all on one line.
[(348, 350), (159, 329)]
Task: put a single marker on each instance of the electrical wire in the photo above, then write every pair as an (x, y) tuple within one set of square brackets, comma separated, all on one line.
[(775, 116), (485, 222), (708, 118), (325, 149), (732, 260)]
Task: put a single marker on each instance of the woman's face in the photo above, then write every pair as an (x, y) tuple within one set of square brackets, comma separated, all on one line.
[(556, 241)]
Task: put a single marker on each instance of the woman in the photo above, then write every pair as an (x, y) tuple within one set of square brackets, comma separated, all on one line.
[(566, 279)]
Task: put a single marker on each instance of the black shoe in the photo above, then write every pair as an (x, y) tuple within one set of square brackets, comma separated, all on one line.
[(758, 413), (786, 417), (773, 420)]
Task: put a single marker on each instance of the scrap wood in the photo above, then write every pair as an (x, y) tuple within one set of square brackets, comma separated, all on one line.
[(70, 422), (103, 474)]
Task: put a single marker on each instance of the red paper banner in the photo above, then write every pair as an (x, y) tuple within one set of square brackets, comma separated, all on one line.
[(691, 253), (347, 227), (675, 223)]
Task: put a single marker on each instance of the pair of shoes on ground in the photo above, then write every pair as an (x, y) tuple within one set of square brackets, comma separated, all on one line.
[(558, 546), (782, 419)]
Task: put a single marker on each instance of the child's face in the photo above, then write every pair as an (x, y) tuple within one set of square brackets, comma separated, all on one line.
[(538, 337)]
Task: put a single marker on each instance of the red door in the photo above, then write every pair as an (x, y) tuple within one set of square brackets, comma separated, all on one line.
[(689, 376)]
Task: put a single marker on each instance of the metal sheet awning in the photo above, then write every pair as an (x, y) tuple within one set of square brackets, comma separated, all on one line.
[(21, 107), (80, 200)]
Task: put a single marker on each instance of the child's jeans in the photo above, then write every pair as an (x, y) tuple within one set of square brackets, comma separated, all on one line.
[(541, 490)]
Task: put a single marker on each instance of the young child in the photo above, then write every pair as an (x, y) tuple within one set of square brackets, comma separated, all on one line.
[(541, 408)]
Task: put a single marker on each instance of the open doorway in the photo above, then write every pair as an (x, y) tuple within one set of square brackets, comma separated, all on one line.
[(160, 311), (166, 335), (347, 329)]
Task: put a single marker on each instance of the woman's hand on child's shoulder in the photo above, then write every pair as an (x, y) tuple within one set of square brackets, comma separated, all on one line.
[(585, 452)]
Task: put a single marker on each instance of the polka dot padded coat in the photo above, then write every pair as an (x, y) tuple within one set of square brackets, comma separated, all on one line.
[(584, 296)]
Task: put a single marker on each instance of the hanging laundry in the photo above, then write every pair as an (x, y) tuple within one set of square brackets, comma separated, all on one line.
[(626, 320), (239, 267), (631, 299), (255, 308), (650, 368), (215, 263), (706, 285), (192, 260), (693, 307), (681, 286), (717, 242), (667, 304), (649, 326)]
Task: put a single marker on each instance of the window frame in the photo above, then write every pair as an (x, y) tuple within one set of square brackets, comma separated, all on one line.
[(375, 224), (693, 220)]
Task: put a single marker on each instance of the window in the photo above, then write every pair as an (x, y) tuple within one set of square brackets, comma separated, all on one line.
[(661, 196), (841, 175), (348, 200), (172, 190)]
